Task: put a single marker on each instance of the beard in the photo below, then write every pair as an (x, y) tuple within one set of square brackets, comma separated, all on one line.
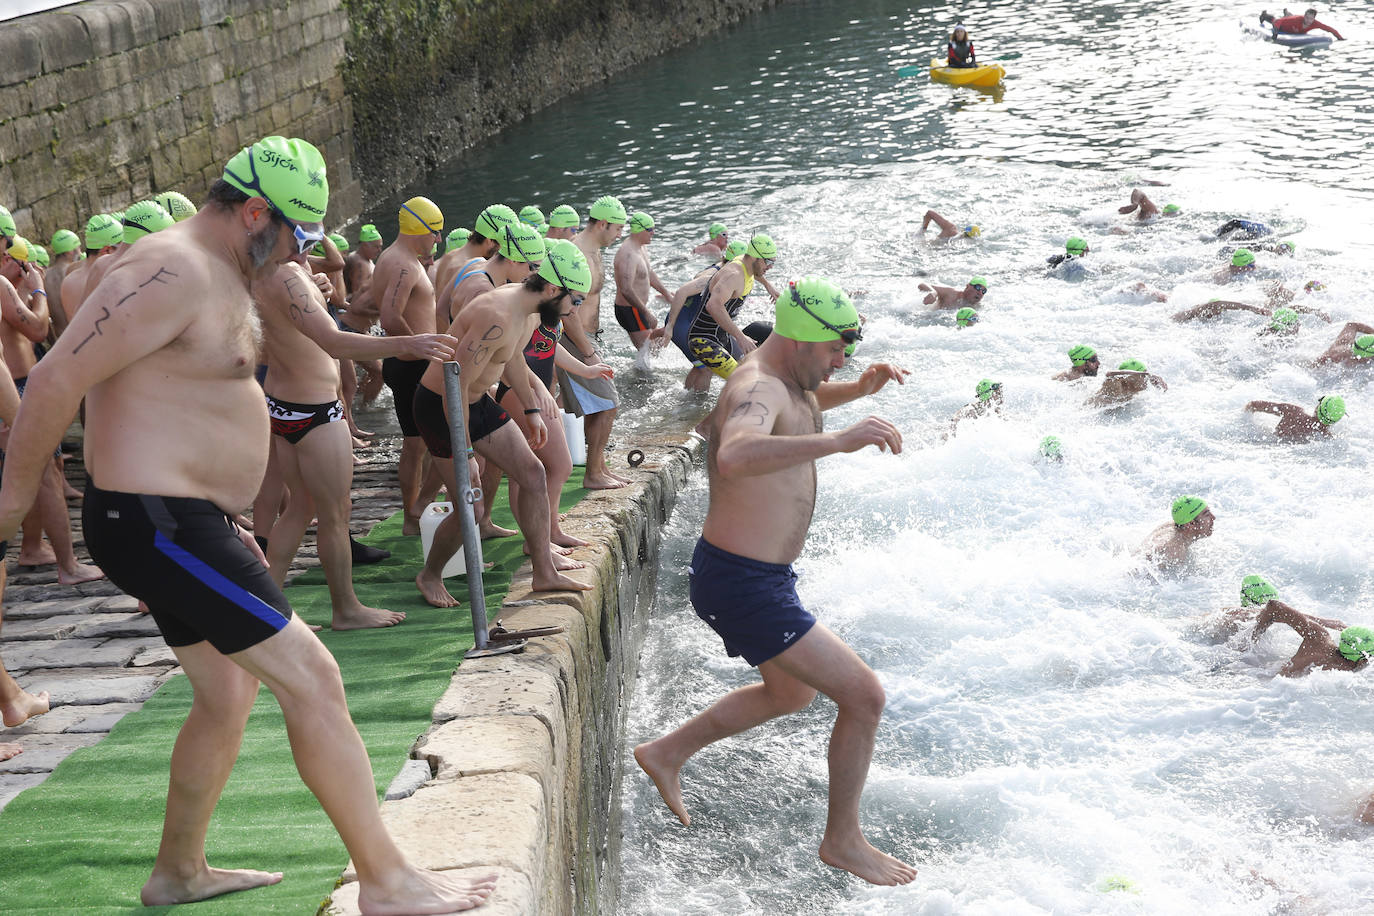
[(551, 311), (262, 244), (1091, 371)]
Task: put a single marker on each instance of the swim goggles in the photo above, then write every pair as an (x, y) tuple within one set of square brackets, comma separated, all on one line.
[(848, 335), (980, 287), (305, 240)]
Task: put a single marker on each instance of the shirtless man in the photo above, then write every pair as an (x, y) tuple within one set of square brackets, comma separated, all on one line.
[(361, 312), (313, 450), (594, 399), (564, 222), (519, 249), (717, 237), (104, 236), (767, 438), (1167, 546), (988, 400), (1124, 383), (1349, 652), (177, 440), (24, 322), (1085, 363), (1296, 424), (492, 331), (404, 300), (947, 229), (947, 297), (65, 247), (633, 278), (454, 266), (1352, 348)]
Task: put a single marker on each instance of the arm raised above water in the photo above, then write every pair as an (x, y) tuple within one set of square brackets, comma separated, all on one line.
[(833, 394)]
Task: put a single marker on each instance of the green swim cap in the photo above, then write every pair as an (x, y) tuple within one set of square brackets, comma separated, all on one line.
[(609, 209), (1283, 320), (1256, 590), (761, 246), (735, 249), (565, 265), (103, 230), (7, 227), (369, 233), (1081, 354), (1171, 209), (1291, 247), (456, 239), (1076, 246), (813, 309), (119, 215), (318, 250), (177, 204), (521, 242), (1052, 448), (1330, 409), (490, 221), (339, 241), (564, 217), (965, 317), (1187, 509), (143, 219), (289, 174), (39, 255), (1357, 643), (716, 229), (19, 249), (641, 221), (65, 240), (979, 282), (1243, 257), (1363, 347), (532, 215), (1132, 365), (986, 388)]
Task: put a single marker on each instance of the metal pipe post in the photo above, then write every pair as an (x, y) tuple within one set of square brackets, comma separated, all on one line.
[(464, 500)]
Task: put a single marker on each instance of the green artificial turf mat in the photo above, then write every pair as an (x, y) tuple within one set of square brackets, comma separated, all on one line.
[(84, 840)]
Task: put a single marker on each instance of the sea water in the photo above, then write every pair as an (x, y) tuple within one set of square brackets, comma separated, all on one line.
[(1066, 730)]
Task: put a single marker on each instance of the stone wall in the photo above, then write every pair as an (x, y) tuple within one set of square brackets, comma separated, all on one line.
[(105, 103)]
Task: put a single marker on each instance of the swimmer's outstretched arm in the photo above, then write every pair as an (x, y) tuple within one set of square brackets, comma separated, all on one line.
[(833, 394), (1213, 309), (1278, 408), (1306, 310)]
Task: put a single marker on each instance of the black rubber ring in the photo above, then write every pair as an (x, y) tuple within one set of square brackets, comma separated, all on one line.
[(636, 457)]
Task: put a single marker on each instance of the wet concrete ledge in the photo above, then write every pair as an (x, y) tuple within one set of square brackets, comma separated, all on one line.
[(519, 770)]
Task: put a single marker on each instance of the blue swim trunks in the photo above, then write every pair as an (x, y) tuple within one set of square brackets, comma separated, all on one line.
[(752, 605)]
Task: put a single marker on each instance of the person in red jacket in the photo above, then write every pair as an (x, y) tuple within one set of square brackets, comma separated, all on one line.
[(1298, 25)]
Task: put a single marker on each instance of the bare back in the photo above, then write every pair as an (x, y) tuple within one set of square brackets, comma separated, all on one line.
[(631, 268), (589, 312), (301, 371), (402, 292)]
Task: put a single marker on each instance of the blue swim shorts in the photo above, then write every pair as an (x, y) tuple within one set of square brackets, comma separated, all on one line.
[(752, 605)]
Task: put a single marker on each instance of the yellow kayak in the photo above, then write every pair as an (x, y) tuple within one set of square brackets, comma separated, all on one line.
[(984, 77)]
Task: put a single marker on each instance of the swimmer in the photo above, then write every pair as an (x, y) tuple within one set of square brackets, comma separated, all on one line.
[(1167, 546), (564, 222), (1084, 361), (482, 245), (1297, 25), (519, 249), (965, 317), (1074, 249), (1051, 449), (1296, 424), (103, 236), (1353, 347), (1144, 208), (165, 350), (66, 248), (1243, 229), (765, 440), (1215, 307), (532, 216), (947, 229), (633, 278), (947, 297), (717, 237), (1284, 248), (1124, 383), (492, 331), (988, 400), (1347, 652)]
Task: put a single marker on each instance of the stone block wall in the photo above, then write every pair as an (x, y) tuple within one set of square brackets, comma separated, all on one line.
[(109, 101)]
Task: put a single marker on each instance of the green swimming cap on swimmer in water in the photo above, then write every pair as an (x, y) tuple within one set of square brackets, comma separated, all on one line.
[(1052, 448), (456, 239), (1187, 509), (369, 233), (761, 246), (1357, 643), (143, 219), (813, 309), (1330, 409), (491, 220), (564, 217), (103, 230), (177, 204), (1289, 247), (716, 229), (1081, 354), (521, 242), (1283, 320), (1256, 590), (641, 221), (339, 241), (609, 209), (735, 249), (1171, 209), (986, 388), (1363, 347), (65, 240), (1076, 245), (7, 227), (565, 265), (965, 317), (1132, 365), (1242, 257), (979, 283), (290, 174)]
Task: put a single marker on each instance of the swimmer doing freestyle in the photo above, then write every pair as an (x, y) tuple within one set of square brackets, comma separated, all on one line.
[(766, 439)]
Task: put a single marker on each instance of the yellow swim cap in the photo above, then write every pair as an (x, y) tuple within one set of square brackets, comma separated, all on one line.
[(19, 249), (420, 216)]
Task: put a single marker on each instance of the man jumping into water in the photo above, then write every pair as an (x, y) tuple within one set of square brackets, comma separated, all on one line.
[(764, 445)]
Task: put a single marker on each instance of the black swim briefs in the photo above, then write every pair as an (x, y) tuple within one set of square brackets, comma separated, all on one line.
[(292, 421), (402, 376), (485, 416), (632, 318), (183, 558)]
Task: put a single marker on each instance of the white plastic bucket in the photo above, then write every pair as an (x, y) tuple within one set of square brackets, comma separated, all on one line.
[(429, 520), (577, 438)]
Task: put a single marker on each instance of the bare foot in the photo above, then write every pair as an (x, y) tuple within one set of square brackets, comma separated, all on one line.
[(624, 481), (554, 548), (602, 483), (562, 562), (434, 592), (143, 607), (362, 618), (165, 891), (10, 750), (361, 433), (558, 584), (567, 540), (42, 555), (859, 858), (23, 707), (426, 892), (488, 530), (411, 525), (78, 573), (665, 776), (360, 443)]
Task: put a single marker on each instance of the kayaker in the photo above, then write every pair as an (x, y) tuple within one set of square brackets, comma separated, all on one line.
[(960, 50), (1293, 25)]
